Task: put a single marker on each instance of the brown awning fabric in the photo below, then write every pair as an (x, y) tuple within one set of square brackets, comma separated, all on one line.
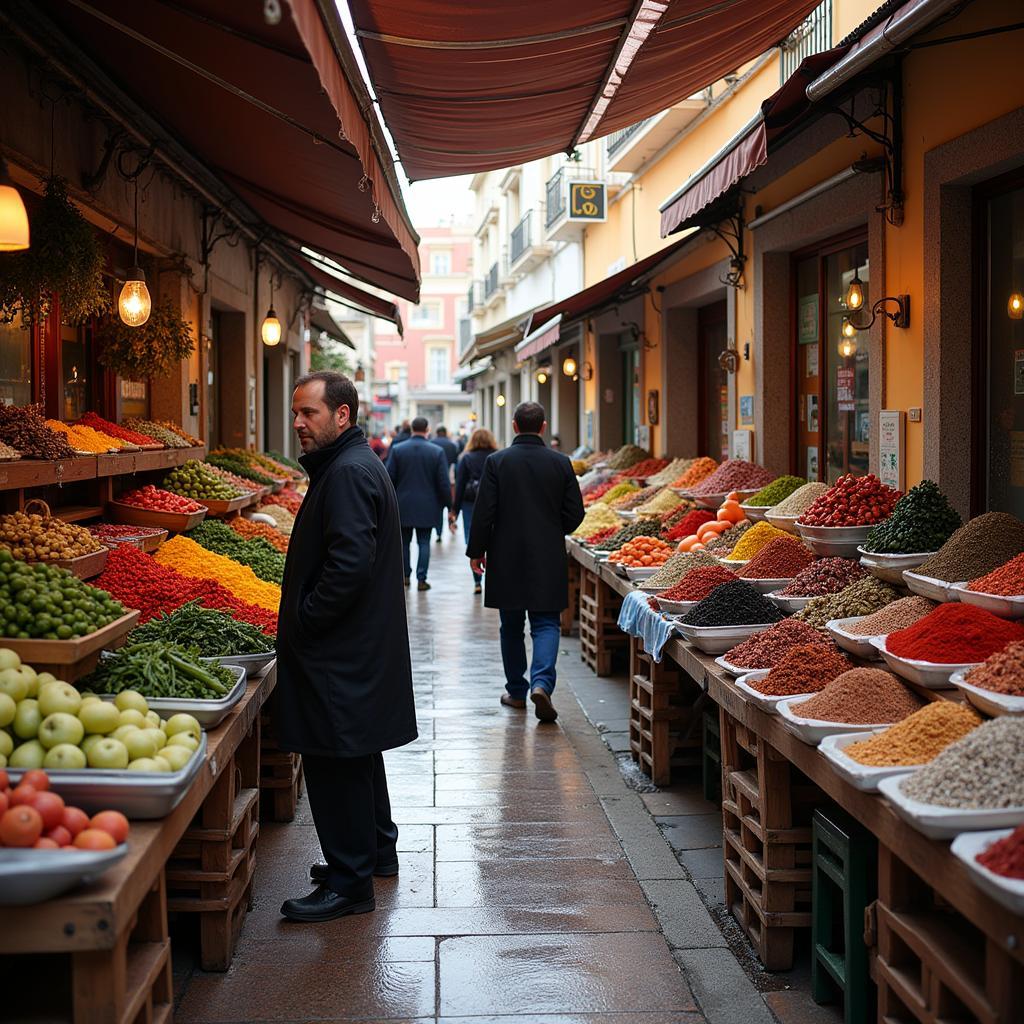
[(268, 108), (322, 321), (478, 85), (350, 295), (749, 150), (605, 292)]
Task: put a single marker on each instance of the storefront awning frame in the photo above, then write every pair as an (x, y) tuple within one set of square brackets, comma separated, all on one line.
[(322, 321)]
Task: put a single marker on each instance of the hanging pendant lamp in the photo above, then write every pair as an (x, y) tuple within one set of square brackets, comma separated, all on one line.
[(14, 234), (134, 304)]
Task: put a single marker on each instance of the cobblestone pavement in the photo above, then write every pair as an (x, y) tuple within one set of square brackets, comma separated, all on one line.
[(516, 900)]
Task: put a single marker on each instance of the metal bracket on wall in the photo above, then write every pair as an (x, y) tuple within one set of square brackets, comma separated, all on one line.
[(730, 231), (211, 220)]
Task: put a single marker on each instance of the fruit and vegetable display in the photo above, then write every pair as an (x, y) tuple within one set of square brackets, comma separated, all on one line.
[(922, 520), (46, 602), (626, 533), (954, 634), (156, 499), (283, 519), (261, 461), (724, 541), (191, 559), (179, 431), (251, 530), (293, 464), (240, 467), (113, 534), (259, 555), (211, 632), (733, 604), (288, 498), (689, 524), (24, 428), (159, 668), (980, 546), (196, 481), (730, 515), (642, 551), (91, 419), (852, 501), (734, 475), (33, 814), (142, 582), (166, 437), (31, 537), (778, 490), (238, 482)]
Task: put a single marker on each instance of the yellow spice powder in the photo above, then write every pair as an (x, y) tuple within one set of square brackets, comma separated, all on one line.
[(757, 537), (192, 560), (918, 738), (664, 501)]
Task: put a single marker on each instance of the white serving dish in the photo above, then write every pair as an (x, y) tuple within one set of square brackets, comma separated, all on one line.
[(208, 713), (734, 670), (735, 566), (648, 589), (787, 523), (790, 604), (814, 730), (1007, 891), (859, 645), (641, 572), (832, 541), (626, 513), (763, 700), (767, 586), (925, 673), (997, 604), (676, 607), (939, 822), (865, 777), (138, 795), (928, 586), (989, 701), (719, 639), (890, 567), (755, 513), (32, 876), (683, 492), (715, 500)]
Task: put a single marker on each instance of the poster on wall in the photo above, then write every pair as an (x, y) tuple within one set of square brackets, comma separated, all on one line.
[(812, 414), (807, 322), (812, 462), (845, 401), (743, 444), (747, 410), (812, 361), (891, 434)]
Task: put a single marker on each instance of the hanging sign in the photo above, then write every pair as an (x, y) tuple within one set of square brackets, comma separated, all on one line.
[(845, 401), (891, 442), (586, 201)]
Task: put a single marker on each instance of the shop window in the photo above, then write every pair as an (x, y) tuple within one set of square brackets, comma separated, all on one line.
[(832, 418), (1000, 394), (15, 363), (76, 379), (441, 263), (713, 391)]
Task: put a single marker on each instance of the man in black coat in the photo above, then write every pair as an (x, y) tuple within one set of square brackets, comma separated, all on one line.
[(344, 691), (451, 454), (419, 472), (528, 501)]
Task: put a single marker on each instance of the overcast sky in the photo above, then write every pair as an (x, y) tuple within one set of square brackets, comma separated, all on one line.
[(439, 200)]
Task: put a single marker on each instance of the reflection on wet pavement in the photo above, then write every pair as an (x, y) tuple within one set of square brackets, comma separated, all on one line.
[(514, 902)]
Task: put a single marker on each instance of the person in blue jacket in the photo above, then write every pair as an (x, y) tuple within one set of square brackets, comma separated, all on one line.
[(419, 471)]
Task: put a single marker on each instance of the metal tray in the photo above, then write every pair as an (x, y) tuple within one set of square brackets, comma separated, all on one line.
[(931, 675), (833, 541), (32, 876), (1006, 607), (139, 795), (938, 822), (1008, 891), (254, 664), (208, 713), (889, 567)]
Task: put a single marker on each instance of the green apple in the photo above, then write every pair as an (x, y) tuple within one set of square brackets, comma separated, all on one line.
[(157, 736), (28, 755), (8, 659), (3, 760), (139, 744), (27, 719), (123, 730), (90, 741), (47, 677), (153, 718), (14, 684), (8, 709), (6, 743), (108, 753), (163, 765), (89, 698), (183, 739), (144, 764), (64, 755), (132, 716), (176, 756), (183, 723), (99, 716), (58, 696), (28, 673), (131, 700), (61, 727)]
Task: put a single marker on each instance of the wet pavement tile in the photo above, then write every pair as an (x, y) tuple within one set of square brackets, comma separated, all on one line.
[(692, 831), (527, 840)]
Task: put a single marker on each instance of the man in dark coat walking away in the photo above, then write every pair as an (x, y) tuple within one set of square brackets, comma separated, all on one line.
[(344, 691), (528, 501), (419, 472), (451, 454)]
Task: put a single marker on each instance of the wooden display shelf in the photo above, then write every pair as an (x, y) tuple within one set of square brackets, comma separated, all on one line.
[(27, 473), (174, 522), (124, 463), (217, 507), (78, 513), (85, 567)]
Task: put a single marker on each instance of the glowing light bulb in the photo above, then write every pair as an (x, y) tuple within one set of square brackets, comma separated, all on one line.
[(270, 331), (569, 366), (849, 331), (847, 348), (855, 293), (13, 218), (134, 303), (500, 401), (1015, 307), (542, 377)]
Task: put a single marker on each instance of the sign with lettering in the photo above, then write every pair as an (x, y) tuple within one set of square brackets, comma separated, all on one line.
[(845, 401), (891, 439), (586, 201)]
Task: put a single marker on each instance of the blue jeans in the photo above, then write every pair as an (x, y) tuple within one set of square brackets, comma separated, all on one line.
[(545, 630), (423, 542), (467, 522)]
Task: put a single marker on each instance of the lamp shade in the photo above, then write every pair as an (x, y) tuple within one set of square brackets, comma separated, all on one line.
[(134, 303), (1015, 306), (14, 234), (270, 331), (855, 293)]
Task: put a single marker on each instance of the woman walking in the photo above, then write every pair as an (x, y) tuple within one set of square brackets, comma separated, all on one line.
[(468, 471)]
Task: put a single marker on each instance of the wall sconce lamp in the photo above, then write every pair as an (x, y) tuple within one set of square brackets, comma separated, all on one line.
[(729, 360), (499, 401), (855, 293), (900, 317), (544, 375), (569, 366), (360, 375), (587, 372), (1015, 307), (847, 347)]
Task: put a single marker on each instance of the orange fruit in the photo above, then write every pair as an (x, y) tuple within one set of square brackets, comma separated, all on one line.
[(112, 822), (94, 839), (20, 826)]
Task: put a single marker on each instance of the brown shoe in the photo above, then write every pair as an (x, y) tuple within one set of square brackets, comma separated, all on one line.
[(512, 702), (543, 707), (423, 585)]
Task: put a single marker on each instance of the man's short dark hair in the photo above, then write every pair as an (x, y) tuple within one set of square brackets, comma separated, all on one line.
[(529, 417), (419, 425), (338, 390), (441, 431)]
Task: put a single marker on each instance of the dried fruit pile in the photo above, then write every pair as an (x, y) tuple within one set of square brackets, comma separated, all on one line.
[(922, 520), (25, 430), (33, 538), (642, 551), (852, 501), (734, 475)]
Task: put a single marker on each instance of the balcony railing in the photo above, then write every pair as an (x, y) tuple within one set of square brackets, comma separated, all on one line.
[(618, 139), (521, 239), (491, 281), (557, 190), (473, 296), (812, 35)]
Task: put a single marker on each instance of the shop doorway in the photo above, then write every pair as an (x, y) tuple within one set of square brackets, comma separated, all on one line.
[(713, 387), (999, 346), (212, 431), (832, 421), (631, 389)]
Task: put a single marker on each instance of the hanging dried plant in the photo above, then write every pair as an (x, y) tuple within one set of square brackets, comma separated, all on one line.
[(65, 259), (152, 350)]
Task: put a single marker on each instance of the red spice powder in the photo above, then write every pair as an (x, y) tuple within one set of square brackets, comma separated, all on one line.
[(767, 649), (1005, 856), (1007, 580), (698, 583), (689, 524), (806, 669), (780, 559), (954, 633)]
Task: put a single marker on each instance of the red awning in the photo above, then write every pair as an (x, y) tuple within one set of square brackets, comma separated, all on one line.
[(605, 292), (350, 295), (749, 150), (478, 85), (271, 110), (539, 339)]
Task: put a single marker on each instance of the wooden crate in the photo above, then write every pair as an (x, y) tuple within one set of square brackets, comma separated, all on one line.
[(931, 965), (280, 777), (766, 813), (664, 715), (600, 635), (571, 613)]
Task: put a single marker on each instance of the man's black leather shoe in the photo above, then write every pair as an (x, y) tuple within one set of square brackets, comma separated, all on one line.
[(384, 869), (323, 904)]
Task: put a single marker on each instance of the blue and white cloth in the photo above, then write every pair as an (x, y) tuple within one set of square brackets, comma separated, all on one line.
[(638, 619)]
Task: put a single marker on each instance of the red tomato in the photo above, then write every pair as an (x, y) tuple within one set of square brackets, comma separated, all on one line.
[(42, 843), (20, 826), (60, 835), (50, 807), (112, 822), (94, 839), (37, 778), (23, 794), (74, 820), (4, 802), (5, 782)]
